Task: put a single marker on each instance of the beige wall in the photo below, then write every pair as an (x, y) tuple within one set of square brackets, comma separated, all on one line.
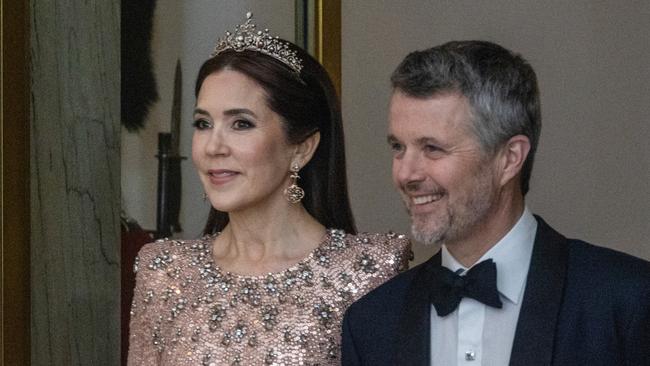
[(593, 166)]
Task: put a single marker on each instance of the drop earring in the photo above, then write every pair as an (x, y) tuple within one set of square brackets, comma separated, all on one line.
[(294, 193), (205, 196)]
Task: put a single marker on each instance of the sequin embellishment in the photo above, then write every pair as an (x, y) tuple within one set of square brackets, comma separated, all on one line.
[(190, 312)]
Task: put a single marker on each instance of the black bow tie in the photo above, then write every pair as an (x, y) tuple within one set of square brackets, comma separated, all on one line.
[(479, 283)]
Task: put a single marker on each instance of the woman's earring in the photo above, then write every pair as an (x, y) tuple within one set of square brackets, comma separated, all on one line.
[(205, 196), (294, 193)]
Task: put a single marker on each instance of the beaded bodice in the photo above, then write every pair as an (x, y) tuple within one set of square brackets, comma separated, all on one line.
[(187, 311)]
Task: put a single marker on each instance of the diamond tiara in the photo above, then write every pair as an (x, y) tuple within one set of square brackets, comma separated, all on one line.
[(246, 38)]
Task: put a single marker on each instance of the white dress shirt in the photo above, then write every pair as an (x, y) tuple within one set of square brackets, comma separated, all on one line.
[(478, 335)]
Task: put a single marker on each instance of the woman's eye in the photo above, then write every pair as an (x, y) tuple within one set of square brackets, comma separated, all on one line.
[(242, 124), (201, 124)]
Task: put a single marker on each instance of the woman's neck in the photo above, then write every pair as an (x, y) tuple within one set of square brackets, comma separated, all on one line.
[(261, 241)]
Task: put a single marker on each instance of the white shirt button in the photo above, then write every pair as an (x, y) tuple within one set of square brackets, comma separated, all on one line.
[(470, 355)]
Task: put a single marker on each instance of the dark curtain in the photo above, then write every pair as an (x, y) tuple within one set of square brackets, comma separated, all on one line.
[(138, 86)]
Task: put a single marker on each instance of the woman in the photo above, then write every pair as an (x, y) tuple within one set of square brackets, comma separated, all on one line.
[(280, 261)]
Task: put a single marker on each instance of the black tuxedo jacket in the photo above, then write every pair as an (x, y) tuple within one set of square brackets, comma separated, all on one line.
[(583, 305)]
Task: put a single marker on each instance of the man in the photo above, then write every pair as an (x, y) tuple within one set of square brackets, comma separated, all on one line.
[(505, 288)]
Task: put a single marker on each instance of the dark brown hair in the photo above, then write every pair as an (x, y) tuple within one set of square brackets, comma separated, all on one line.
[(307, 103)]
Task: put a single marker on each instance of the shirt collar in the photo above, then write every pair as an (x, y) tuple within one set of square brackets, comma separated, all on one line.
[(511, 254)]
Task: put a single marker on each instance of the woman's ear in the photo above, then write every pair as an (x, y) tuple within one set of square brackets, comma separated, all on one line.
[(306, 149)]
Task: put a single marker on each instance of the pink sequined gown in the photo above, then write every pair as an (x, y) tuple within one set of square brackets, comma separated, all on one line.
[(186, 311)]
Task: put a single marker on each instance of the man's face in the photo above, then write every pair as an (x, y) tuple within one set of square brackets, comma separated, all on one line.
[(446, 181)]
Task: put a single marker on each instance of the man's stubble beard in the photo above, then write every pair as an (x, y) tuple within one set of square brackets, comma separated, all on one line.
[(459, 219)]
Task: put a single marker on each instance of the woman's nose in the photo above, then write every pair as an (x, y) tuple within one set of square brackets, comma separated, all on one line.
[(216, 143)]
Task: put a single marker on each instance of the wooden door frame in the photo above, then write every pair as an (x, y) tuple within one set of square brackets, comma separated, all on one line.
[(14, 121)]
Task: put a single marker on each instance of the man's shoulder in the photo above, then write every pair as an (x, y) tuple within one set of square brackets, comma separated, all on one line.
[(606, 266), (590, 260)]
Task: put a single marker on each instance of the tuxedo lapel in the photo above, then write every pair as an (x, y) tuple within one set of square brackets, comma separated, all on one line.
[(414, 335), (535, 333)]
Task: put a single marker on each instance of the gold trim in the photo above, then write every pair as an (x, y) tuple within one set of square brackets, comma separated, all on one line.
[(328, 38), (318, 32)]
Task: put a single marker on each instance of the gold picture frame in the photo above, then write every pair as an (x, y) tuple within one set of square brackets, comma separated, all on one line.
[(318, 30)]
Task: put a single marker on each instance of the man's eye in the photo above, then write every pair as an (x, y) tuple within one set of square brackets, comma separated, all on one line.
[(431, 148), (242, 124), (396, 147), (201, 124)]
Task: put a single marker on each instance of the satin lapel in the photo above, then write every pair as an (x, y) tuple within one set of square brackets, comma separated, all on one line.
[(413, 337), (535, 334)]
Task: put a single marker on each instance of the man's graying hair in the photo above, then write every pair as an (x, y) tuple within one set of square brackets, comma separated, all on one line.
[(501, 88)]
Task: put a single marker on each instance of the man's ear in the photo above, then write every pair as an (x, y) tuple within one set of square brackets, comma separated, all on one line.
[(513, 155), (306, 149)]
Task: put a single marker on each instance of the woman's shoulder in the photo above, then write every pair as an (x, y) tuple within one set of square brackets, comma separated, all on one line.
[(373, 251), (171, 255), (358, 263), (379, 242)]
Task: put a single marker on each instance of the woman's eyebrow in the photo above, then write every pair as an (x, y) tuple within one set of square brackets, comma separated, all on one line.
[(236, 111)]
